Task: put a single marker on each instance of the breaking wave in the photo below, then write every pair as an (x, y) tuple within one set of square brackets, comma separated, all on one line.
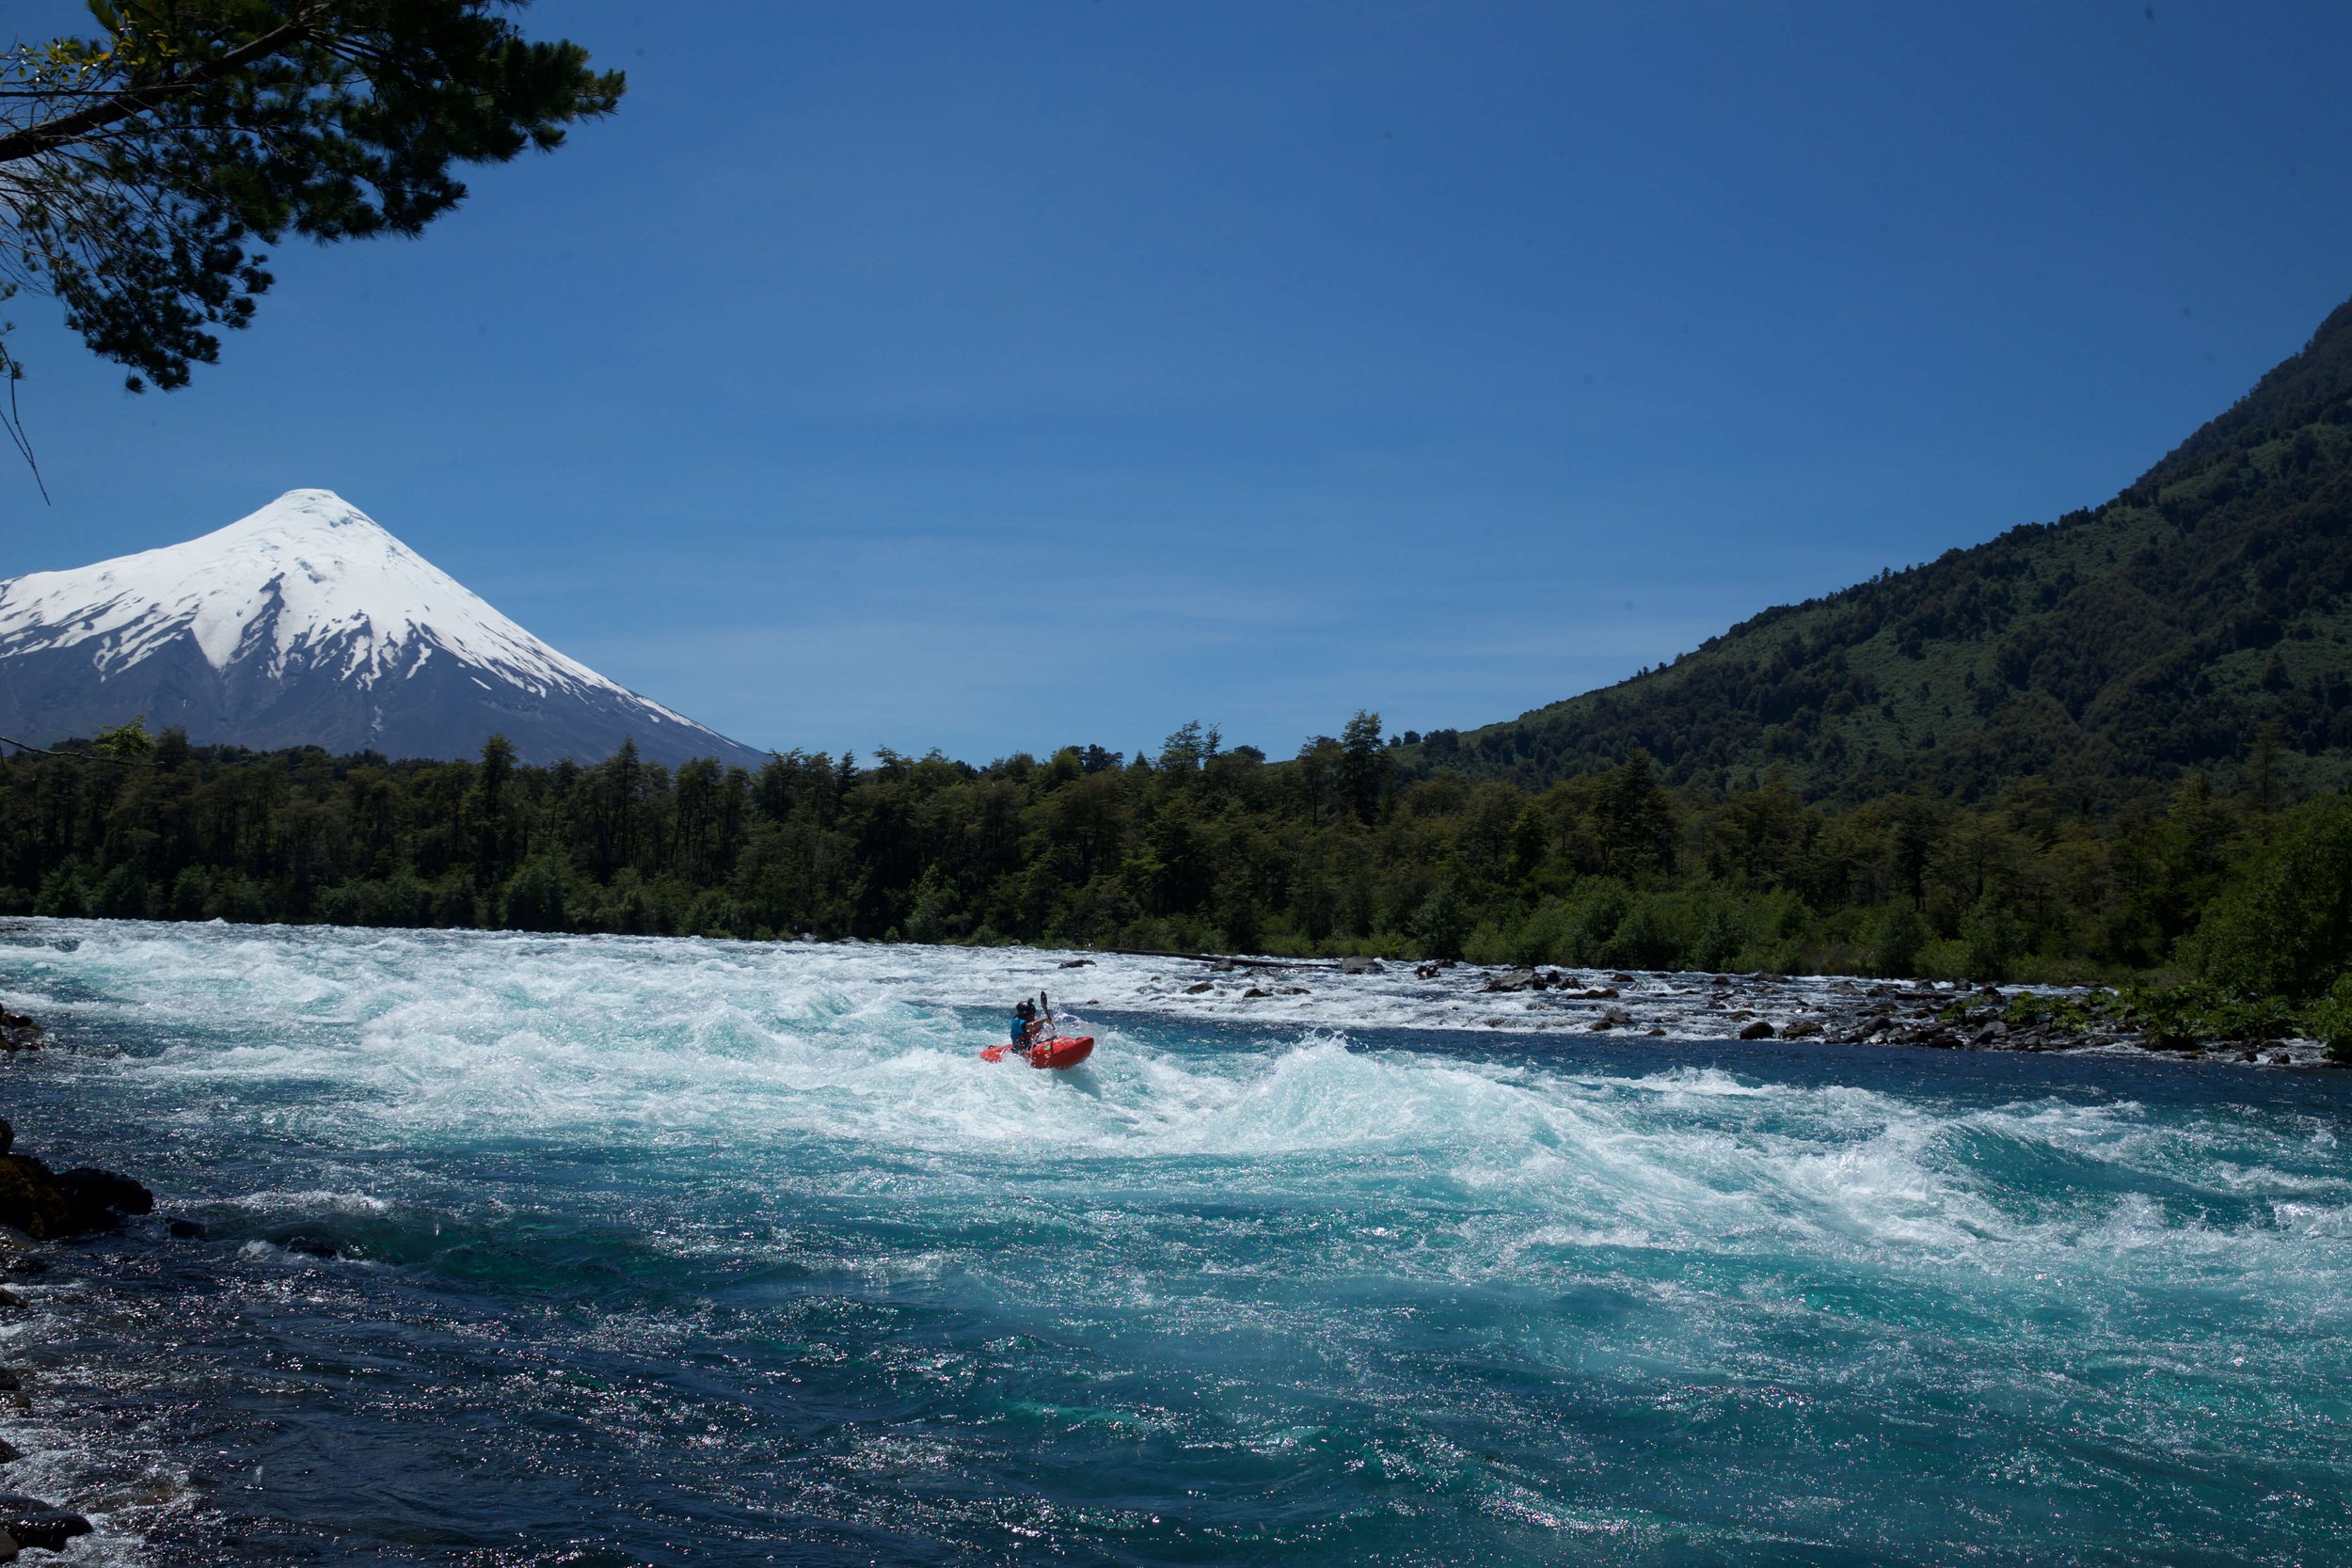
[(749, 1242)]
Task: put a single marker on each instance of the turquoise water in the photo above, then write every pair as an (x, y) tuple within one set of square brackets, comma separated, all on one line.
[(604, 1251)]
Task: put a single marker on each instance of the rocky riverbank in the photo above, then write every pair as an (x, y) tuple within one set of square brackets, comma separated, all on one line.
[(1915, 1013), (40, 1206), (1935, 1015)]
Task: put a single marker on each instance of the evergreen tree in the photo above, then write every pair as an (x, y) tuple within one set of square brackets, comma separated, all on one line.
[(1364, 764), (141, 166)]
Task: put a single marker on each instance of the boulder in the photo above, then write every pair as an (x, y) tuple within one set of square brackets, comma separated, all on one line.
[(1758, 1030), (1077, 964), (90, 1185), (18, 1033), (1797, 1029), (30, 1522), (1516, 979), (1257, 991), (46, 1205), (186, 1230), (1198, 987), (1354, 964)]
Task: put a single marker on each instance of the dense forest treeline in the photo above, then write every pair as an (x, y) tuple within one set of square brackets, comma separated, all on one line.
[(2107, 652), (1350, 846)]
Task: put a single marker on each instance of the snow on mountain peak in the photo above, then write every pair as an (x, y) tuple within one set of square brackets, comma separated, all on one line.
[(308, 583), (306, 624)]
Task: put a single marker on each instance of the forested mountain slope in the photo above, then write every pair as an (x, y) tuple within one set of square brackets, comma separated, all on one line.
[(2201, 620)]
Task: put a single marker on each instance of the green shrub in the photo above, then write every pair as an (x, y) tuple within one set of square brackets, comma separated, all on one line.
[(2329, 1021), (1442, 922), (238, 898), (189, 892), (63, 893), (2183, 1017), (120, 894), (2076, 1015), (2284, 926), (1541, 938), (1901, 935), (535, 896), (1721, 940), (1644, 938), (1992, 938), (1490, 945)]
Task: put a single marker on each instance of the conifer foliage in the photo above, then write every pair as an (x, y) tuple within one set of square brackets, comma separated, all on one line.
[(1345, 849), (142, 166)]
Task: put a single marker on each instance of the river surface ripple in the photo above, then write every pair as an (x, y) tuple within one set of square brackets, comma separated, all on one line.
[(606, 1251)]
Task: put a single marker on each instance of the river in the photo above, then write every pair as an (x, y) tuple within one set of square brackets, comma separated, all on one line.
[(610, 1251)]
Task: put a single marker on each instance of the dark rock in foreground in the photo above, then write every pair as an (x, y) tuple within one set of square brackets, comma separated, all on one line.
[(30, 1522), (46, 1205)]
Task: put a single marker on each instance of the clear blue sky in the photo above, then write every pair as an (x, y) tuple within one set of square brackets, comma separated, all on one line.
[(996, 377)]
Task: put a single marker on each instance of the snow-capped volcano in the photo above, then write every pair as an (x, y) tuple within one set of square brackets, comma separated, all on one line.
[(307, 623)]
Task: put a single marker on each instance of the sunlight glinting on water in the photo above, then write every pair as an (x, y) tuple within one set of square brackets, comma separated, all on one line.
[(669, 1250)]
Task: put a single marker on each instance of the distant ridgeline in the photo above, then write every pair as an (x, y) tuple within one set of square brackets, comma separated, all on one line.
[(2076, 751), (2107, 653)]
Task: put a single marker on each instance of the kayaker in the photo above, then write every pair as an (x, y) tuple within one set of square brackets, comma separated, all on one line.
[(1024, 1020)]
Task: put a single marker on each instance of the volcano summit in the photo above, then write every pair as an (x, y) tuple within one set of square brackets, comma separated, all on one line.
[(308, 623)]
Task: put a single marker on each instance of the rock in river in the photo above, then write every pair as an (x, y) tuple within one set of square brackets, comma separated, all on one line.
[(45, 1204), (30, 1522)]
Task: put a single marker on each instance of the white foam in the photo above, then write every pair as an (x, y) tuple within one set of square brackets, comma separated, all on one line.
[(405, 1042)]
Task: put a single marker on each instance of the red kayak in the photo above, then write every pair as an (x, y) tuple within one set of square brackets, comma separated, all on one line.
[(1061, 1051)]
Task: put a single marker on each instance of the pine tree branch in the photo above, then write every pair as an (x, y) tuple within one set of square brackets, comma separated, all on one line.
[(66, 129)]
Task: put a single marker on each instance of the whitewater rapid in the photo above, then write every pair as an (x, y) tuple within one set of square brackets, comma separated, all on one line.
[(743, 1245)]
